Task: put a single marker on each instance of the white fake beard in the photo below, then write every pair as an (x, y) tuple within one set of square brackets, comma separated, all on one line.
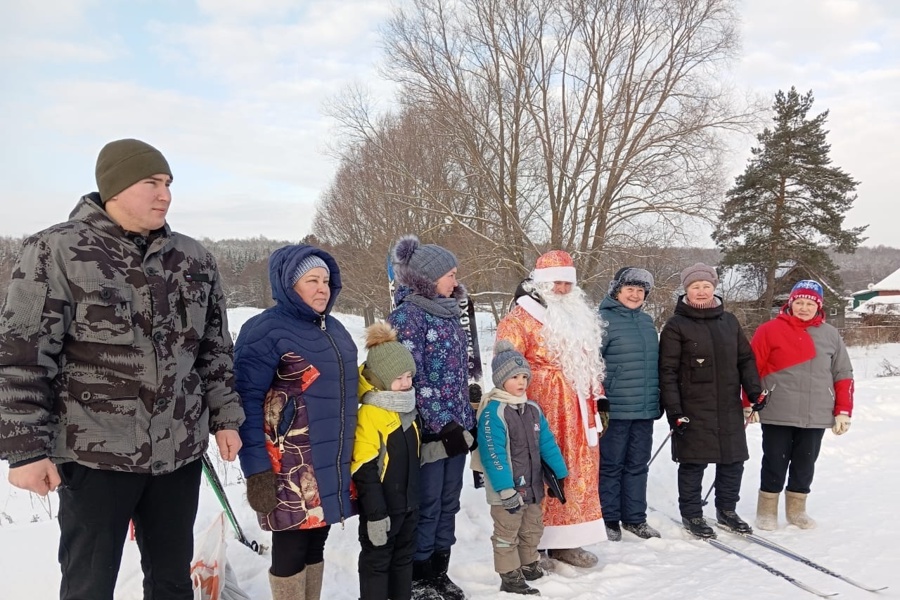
[(573, 331)]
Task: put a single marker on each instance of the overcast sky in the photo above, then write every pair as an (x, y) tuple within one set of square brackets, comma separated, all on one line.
[(232, 92)]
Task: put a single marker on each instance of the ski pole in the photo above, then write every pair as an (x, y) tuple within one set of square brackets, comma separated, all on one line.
[(213, 478), (762, 398), (658, 450)]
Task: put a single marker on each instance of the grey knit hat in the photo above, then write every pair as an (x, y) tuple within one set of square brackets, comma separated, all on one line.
[(429, 261), (306, 265), (123, 163), (507, 362), (699, 272), (387, 359), (631, 276)]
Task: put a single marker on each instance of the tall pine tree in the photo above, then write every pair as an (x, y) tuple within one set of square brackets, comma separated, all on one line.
[(790, 202)]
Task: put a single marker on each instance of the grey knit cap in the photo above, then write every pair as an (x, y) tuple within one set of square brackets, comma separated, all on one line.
[(425, 260), (631, 276), (306, 265), (387, 359), (699, 272), (507, 362)]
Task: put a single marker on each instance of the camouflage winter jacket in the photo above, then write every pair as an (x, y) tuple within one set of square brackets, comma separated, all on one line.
[(114, 348)]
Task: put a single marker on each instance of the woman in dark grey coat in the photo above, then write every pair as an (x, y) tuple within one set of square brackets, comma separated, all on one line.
[(704, 361)]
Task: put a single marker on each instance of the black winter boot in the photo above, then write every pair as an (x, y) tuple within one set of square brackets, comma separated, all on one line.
[(697, 526), (514, 583), (424, 585), (448, 590), (533, 571), (730, 520)]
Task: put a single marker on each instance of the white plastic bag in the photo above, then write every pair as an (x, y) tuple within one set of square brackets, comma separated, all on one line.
[(213, 577)]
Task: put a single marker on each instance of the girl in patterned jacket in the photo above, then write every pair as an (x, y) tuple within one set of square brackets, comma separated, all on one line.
[(427, 323)]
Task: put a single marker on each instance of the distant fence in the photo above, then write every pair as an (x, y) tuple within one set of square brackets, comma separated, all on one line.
[(866, 335)]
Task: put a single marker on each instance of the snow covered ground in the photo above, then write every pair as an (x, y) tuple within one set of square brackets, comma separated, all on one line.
[(854, 499)]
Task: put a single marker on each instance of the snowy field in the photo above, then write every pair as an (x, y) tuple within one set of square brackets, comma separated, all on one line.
[(854, 500)]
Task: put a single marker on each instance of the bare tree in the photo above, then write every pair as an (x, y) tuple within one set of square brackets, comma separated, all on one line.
[(572, 120)]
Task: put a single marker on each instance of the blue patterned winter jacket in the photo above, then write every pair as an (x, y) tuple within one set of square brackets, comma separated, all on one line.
[(439, 347)]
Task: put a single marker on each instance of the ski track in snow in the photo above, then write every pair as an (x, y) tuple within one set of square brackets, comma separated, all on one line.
[(853, 499)]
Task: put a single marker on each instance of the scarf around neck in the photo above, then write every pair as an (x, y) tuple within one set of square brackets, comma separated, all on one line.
[(445, 308), (402, 403)]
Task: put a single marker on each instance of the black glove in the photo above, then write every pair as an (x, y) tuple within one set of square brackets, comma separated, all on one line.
[(603, 404), (453, 439), (760, 401), (679, 423), (261, 492), (474, 394), (474, 433)]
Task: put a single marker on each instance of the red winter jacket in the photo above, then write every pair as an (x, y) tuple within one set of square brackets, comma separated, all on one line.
[(806, 366)]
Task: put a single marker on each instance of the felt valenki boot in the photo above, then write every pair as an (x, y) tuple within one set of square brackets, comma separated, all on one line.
[(795, 510), (288, 588), (767, 511), (314, 580)]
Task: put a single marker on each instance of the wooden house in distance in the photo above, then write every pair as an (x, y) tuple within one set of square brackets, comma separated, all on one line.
[(881, 297), (743, 291)]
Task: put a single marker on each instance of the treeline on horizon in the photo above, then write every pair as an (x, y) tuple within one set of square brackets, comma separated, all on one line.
[(243, 265)]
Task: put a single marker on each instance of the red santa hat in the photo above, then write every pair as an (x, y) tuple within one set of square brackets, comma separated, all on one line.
[(556, 265)]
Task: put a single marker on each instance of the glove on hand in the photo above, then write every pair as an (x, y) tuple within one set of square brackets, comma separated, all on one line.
[(474, 395), (604, 422), (454, 439), (378, 531), (261, 492), (761, 401), (750, 415), (679, 423), (841, 424), (511, 500)]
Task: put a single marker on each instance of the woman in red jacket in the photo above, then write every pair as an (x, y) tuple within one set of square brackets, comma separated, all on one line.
[(804, 362)]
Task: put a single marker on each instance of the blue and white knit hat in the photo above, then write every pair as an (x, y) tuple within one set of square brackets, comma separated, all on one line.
[(307, 264), (809, 289)]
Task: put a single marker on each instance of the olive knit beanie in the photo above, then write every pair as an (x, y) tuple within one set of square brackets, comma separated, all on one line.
[(123, 163)]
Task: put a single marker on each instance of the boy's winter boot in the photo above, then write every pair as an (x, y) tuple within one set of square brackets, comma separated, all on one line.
[(730, 520), (533, 571), (514, 583), (314, 575), (288, 588), (698, 527), (767, 511), (613, 531), (424, 584), (795, 509), (440, 562), (642, 530)]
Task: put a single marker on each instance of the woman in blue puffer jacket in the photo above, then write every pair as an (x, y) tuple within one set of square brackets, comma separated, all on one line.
[(295, 369), (630, 350)]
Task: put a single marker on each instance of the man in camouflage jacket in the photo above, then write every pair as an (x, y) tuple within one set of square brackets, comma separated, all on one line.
[(115, 367)]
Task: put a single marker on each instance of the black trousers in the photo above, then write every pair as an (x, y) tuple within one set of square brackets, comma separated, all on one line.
[(690, 487), (294, 549), (95, 507), (386, 571), (791, 452)]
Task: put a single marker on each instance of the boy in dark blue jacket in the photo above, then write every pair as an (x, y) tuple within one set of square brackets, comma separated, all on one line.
[(513, 437)]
